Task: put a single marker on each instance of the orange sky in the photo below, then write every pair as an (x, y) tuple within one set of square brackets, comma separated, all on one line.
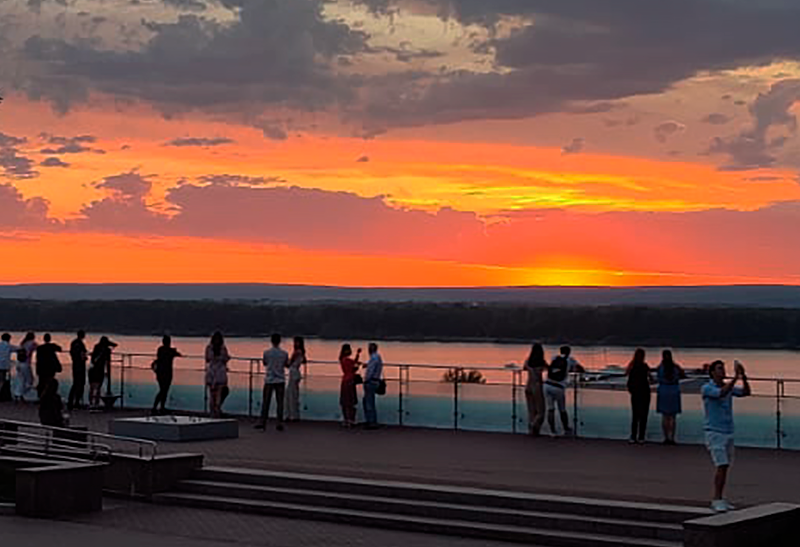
[(649, 188)]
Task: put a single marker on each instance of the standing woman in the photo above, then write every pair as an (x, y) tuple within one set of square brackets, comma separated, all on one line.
[(24, 384), (639, 380), (535, 366), (216, 372), (101, 362), (296, 362), (348, 398), (668, 403)]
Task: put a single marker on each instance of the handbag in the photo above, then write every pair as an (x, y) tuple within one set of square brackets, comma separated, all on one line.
[(358, 379), (381, 390)]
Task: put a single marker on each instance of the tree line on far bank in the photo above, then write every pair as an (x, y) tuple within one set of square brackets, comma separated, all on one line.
[(611, 325)]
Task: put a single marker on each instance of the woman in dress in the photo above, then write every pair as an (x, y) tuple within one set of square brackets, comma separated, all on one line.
[(296, 362), (216, 372), (638, 373), (24, 383), (348, 398), (668, 402), (535, 365)]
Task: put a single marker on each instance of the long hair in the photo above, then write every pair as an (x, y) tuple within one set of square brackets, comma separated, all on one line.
[(347, 351), (300, 346), (668, 363), (637, 361), (217, 341), (536, 358), (28, 337)]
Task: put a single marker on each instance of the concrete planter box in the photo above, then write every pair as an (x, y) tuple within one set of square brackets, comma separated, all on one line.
[(175, 428)]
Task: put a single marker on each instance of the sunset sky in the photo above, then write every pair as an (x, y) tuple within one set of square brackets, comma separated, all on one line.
[(400, 142)]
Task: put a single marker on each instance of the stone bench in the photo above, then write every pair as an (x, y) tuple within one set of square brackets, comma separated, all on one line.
[(59, 489), (771, 525)]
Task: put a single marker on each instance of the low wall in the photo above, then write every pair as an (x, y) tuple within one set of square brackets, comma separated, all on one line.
[(142, 477), (772, 525), (60, 489)]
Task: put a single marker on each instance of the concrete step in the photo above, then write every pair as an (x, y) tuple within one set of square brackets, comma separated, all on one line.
[(446, 511), (461, 528), (647, 512)]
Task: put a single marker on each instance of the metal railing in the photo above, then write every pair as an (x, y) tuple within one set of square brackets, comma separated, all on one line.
[(406, 381), (69, 444)]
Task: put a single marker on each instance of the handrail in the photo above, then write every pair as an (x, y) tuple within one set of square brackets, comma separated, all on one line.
[(141, 444)]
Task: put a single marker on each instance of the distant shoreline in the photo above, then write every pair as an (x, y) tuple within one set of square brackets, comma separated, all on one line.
[(500, 323)]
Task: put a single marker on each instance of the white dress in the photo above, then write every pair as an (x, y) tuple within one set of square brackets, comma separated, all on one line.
[(23, 386)]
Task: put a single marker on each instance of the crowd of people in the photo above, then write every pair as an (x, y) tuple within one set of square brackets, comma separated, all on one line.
[(545, 390), (547, 383)]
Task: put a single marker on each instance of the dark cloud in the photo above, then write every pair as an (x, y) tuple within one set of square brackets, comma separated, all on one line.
[(13, 162), (363, 159), (276, 53), (589, 50), (69, 145), (665, 130), (717, 119), (124, 209), (575, 147), (16, 212), (54, 162), (200, 141), (754, 147)]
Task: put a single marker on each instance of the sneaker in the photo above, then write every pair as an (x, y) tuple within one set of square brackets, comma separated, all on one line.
[(631, 441), (729, 506), (719, 506)]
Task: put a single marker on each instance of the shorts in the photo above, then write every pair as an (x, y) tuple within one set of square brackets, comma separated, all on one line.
[(555, 397), (720, 446)]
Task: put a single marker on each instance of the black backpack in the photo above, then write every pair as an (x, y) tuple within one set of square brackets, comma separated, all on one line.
[(558, 369)]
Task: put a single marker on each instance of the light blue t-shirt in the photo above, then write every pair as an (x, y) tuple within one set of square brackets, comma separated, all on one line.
[(719, 409)]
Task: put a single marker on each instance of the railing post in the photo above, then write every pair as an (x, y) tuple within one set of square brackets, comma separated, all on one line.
[(456, 385), (122, 381), (250, 392), (513, 401), (575, 421), (400, 408), (779, 426)]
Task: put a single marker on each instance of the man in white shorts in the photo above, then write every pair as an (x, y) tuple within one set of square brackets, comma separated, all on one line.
[(555, 388), (718, 403)]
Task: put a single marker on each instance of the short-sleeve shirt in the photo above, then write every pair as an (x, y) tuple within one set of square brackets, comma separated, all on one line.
[(275, 360), (718, 408)]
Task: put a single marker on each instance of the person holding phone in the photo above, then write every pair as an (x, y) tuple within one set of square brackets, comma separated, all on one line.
[(348, 398), (718, 404)]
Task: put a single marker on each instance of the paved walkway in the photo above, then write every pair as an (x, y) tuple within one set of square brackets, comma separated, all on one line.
[(606, 469)]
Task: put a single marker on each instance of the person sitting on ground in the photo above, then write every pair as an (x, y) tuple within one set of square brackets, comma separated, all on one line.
[(51, 409), (718, 405)]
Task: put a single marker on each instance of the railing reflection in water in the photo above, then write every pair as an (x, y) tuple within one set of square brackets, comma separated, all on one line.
[(418, 396)]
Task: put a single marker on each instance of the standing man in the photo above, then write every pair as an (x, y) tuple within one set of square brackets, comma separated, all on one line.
[(47, 363), (372, 380), (718, 402), (163, 367), (555, 388), (79, 356), (6, 349), (275, 362)]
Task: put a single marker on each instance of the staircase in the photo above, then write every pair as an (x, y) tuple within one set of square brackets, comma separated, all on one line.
[(545, 521)]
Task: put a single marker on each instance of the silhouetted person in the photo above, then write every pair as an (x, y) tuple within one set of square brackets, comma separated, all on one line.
[(78, 355), (348, 397), (51, 409), (372, 379), (6, 349), (555, 388), (718, 405), (535, 365), (47, 363), (668, 401), (296, 363), (101, 365), (163, 367), (639, 380), (216, 373), (275, 361), (24, 385)]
